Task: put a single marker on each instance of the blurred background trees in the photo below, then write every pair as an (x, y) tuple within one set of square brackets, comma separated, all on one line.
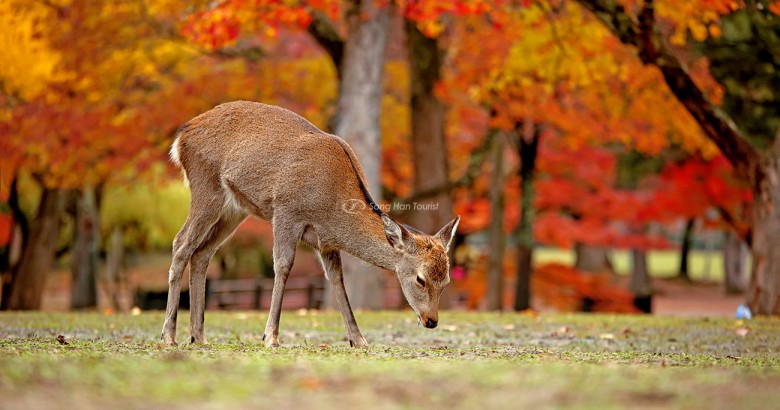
[(589, 126)]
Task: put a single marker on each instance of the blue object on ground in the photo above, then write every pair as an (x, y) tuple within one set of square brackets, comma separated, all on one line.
[(743, 312)]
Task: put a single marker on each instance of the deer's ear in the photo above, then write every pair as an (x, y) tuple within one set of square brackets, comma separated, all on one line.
[(396, 234), (446, 233)]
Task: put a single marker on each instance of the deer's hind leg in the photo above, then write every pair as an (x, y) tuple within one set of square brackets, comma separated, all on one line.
[(205, 210), (199, 263), (286, 238)]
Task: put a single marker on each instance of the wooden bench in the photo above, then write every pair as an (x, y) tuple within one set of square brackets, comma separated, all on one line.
[(300, 292)]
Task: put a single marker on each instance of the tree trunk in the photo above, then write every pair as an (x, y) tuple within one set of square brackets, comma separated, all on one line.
[(640, 281), (640, 278), (764, 290), (760, 171), (497, 238), (429, 148), (358, 123), (12, 252), (115, 256), (685, 250), (528, 147), (84, 252), (734, 255), (592, 258), (29, 276)]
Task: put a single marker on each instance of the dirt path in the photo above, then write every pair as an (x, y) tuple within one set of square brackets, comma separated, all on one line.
[(677, 298)]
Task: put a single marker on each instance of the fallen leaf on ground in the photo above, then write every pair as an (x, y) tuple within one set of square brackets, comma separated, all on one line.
[(61, 339), (741, 332)]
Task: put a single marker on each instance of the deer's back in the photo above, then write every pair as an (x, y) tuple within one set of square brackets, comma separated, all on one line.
[(269, 157)]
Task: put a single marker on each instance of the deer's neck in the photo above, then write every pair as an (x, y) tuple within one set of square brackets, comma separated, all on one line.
[(370, 244)]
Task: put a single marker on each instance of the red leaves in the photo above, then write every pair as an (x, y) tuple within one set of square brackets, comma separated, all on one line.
[(6, 228), (564, 288), (690, 188), (222, 24)]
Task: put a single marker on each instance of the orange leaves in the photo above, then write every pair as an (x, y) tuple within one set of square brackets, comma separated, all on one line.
[(213, 28), (428, 14), (774, 7), (222, 24), (698, 17), (564, 288), (68, 146)]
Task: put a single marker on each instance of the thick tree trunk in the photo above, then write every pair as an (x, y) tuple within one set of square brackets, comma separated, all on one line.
[(734, 256), (429, 148), (84, 252), (358, 124), (685, 250), (497, 238), (29, 276), (428, 144), (528, 147), (764, 290)]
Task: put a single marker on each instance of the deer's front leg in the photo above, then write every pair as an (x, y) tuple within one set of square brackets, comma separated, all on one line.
[(285, 242), (331, 262)]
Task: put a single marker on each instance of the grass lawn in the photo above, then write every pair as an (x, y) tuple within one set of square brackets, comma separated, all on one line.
[(472, 361), (703, 265)]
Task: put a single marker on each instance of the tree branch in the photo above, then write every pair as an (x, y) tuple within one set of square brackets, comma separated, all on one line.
[(476, 160), (326, 35), (717, 126)]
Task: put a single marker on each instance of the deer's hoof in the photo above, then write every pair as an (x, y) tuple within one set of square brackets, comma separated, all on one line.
[(198, 340), (358, 343), (168, 340), (270, 341)]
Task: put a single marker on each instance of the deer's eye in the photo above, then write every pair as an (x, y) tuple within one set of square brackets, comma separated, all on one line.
[(421, 281)]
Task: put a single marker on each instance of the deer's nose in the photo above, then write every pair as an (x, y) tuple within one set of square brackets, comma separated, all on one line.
[(430, 324)]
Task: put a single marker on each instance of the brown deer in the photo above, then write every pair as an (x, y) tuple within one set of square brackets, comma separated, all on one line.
[(244, 158)]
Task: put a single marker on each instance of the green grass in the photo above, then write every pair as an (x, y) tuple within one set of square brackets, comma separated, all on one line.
[(704, 265), (473, 360)]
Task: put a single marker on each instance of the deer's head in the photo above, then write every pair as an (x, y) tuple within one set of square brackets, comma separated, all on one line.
[(424, 267)]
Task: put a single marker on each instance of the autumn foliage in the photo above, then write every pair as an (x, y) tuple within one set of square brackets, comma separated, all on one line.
[(92, 93), (566, 289)]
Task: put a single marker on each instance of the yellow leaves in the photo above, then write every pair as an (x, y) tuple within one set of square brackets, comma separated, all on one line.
[(564, 69), (28, 63), (566, 50), (431, 28)]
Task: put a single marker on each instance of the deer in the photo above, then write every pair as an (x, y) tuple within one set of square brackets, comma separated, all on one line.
[(246, 158)]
